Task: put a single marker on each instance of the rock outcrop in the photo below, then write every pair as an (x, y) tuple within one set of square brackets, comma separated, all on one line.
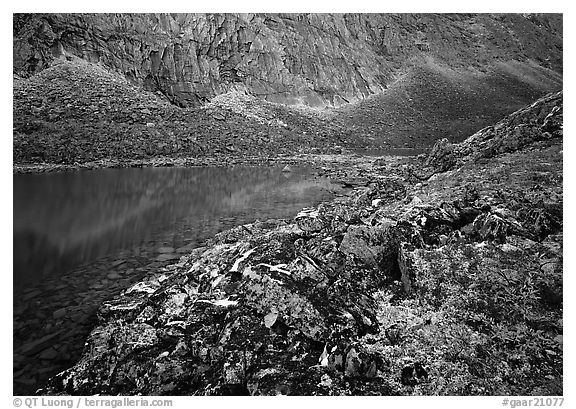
[(541, 121), (449, 286), (313, 59)]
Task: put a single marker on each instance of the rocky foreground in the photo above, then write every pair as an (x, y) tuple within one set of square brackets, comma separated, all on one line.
[(442, 277)]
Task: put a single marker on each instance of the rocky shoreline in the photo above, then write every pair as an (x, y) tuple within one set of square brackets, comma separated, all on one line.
[(436, 276), (52, 319), (217, 161)]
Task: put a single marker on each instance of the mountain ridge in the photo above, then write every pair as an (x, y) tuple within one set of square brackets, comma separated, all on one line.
[(314, 59), (90, 88)]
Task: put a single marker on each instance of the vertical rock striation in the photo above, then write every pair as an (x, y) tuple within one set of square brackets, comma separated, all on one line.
[(313, 59)]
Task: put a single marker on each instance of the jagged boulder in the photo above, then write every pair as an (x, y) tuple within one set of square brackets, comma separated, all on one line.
[(442, 157), (361, 242)]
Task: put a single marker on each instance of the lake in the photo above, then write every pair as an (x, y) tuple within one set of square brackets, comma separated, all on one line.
[(82, 237)]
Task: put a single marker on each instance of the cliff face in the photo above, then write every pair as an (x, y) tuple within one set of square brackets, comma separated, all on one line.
[(314, 59)]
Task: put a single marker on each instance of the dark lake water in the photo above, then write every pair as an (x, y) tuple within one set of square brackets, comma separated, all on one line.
[(82, 237), (64, 219)]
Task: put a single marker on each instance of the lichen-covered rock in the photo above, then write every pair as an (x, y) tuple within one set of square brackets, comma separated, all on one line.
[(310, 221), (371, 245)]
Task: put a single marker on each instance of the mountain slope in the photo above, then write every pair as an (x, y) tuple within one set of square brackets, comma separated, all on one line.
[(129, 86), (433, 101), (77, 112), (314, 59)]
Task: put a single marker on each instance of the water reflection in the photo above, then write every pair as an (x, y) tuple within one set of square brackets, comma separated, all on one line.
[(64, 219)]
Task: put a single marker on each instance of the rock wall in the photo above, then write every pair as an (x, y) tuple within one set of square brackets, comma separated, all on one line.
[(313, 59)]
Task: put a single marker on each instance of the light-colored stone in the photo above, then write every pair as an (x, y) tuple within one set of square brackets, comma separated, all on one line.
[(167, 257)]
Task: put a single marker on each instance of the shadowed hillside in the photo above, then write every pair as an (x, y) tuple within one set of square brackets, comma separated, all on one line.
[(432, 101)]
